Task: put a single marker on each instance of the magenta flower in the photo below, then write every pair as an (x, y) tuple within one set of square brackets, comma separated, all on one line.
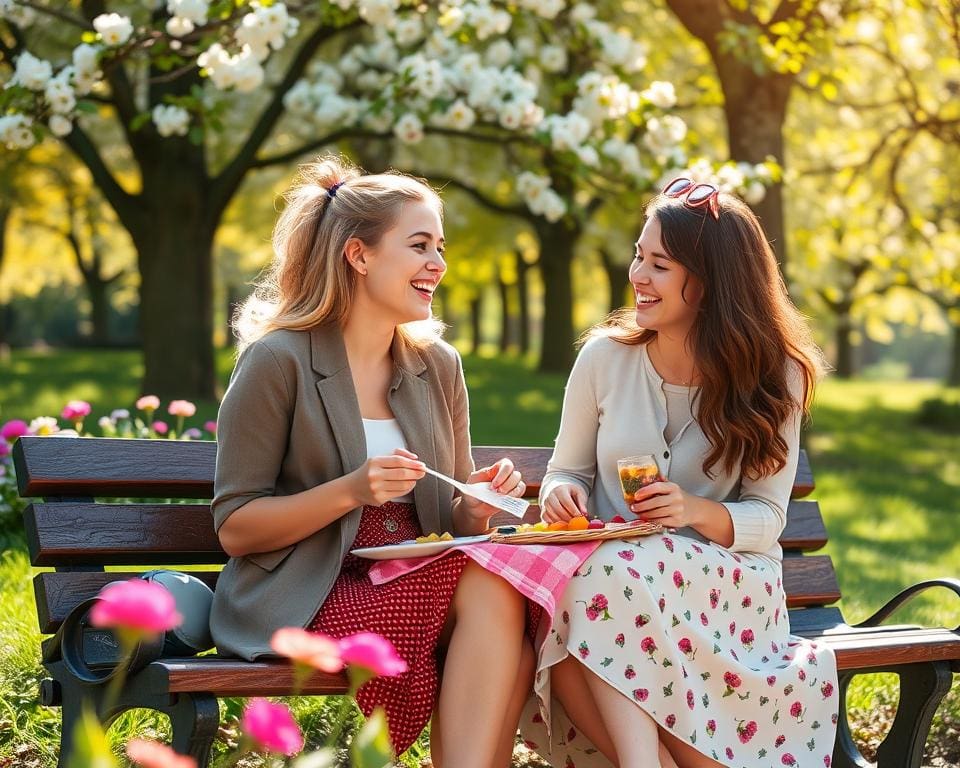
[(641, 694), (714, 597), (75, 410), (685, 646), (372, 652), (796, 709), (720, 571), (152, 754), (746, 602), (788, 759), (135, 605), (826, 690), (629, 672), (729, 753), (711, 727), (703, 619), (160, 427), (737, 577), (648, 646), (732, 679), (4, 449), (272, 727), (671, 720), (14, 429), (183, 409), (211, 427), (780, 741), (678, 580), (690, 699), (746, 638), (746, 731), (771, 680), (641, 620), (309, 648)]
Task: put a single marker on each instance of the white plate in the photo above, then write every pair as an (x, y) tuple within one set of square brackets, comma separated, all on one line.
[(407, 549)]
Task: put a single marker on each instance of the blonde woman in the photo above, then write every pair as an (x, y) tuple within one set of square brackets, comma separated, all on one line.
[(343, 392)]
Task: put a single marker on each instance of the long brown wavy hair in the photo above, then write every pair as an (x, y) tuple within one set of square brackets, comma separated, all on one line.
[(748, 339)]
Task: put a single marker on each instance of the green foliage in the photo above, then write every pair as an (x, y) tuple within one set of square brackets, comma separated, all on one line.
[(940, 413)]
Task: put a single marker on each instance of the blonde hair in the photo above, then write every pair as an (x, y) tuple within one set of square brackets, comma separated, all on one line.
[(309, 282)]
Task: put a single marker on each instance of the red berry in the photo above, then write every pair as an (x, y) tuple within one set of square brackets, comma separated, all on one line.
[(617, 519), (595, 523)]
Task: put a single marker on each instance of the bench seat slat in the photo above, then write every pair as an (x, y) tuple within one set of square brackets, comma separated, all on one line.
[(69, 533), (808, 581), (229, 677), (124, 468)]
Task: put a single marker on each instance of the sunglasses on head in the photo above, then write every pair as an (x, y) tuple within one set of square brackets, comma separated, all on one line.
[(695, 194)]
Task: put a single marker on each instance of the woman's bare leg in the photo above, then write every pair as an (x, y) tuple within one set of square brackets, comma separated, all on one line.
[(633, 731), (481, 669), (568, 685), (511, 718), (685, 755)]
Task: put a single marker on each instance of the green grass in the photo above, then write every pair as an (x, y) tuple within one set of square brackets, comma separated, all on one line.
[(889, 490)]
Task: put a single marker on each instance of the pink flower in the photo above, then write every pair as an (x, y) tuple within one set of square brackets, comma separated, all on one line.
[(720, 571), (732, 679), (135, 605), (600, 602), (796, 709), (771, 680), (826, 690), (671, 720), (272, 727), (737, 576), (685, 645), (372, 652), (647, 645), (625, 554), (729, 753), (746, 602), (181, 408), (312, 649), (592, 613), (788, 759), (826, 761), (780, 740), (641, 694), (148, 403), (746, 731), (4, 449), (678, 580), (160, 427), (75, 410), (703, 619), (620, 640), (711, 727), (152, 754), (14, 429), (690, 699), (714, 597), (633, 572), (641, 620), (746, 638), (629, 672), (211, 427)]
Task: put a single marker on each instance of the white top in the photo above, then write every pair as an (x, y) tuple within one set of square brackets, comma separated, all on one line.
[(383, 438), (615, 406)]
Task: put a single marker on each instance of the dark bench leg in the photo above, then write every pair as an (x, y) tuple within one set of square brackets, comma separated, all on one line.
[(922, 688), (195, 720)]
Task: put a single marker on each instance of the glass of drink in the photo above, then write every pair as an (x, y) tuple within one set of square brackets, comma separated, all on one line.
[(636, 472)]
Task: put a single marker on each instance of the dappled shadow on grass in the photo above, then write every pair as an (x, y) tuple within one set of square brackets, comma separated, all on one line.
[(889, 495)]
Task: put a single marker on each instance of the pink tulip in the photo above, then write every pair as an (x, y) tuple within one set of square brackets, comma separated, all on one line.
[(181, 408), (152, 754), (75, 410), (14, 429), (313, 649), (136, 605), (160, 427), (148, 403), (272, 727), (211, 427), (372, 652)]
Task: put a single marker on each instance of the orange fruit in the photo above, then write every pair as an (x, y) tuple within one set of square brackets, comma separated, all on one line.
[(560, 525), (579, 523)]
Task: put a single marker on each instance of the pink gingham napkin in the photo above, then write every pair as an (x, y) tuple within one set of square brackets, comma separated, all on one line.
[(538, 571)]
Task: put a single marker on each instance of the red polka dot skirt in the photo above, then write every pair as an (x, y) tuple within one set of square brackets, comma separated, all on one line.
[(409, 611)]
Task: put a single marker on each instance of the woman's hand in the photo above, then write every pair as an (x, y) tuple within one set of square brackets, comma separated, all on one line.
[(564, 503), (665, 503), (382, 478), (503, 479)]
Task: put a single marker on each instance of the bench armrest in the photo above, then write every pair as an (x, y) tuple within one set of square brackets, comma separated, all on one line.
[(908, 594)]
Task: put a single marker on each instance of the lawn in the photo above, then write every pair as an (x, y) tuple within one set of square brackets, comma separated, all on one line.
[(888, 489)]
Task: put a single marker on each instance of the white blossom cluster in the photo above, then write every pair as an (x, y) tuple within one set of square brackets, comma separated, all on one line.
[(17, 14), (170, 120), (539, 196)]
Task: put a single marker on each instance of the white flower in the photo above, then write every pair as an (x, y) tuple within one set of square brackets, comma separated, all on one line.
[(194, 11), (664, 133), (31, 72), (44, 425), (427, 75), (85, 58), (409, 129), (299, 99), (241, 71), (408, 30), (59, 94), (551, 206), (582, 12), (113, 28), (15, 131), (105, 422), (499, 54), (754, 193), (451, 20), (525, 46), (337, 110), (171, 120), (588, 155), (661, 94), (118, 414), (459, 116), (18, 14), (379, 13), (179, 26), (530, 185), (546, 9), (553, 58), (263, 29), (60, 125), (511, 116), (604, 97)]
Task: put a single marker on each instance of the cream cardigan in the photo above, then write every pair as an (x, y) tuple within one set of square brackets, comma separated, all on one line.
[(614, 406)]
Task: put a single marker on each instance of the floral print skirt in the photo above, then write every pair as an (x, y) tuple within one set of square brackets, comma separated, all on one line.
[(699, 638)]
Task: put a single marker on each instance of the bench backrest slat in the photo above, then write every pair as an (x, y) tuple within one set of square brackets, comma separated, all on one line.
[(120, 468), (808, 580)]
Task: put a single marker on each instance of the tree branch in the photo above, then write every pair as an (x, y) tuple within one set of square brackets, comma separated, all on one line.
[(81, 145), (291, 155), (224, 185)]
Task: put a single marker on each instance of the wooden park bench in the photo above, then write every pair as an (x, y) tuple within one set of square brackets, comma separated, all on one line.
[(76, 532)]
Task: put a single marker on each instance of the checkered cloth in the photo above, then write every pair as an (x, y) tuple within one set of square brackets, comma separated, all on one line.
[(540, 572)]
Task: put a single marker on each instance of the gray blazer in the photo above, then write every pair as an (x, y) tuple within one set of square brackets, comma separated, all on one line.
[(290, 421)]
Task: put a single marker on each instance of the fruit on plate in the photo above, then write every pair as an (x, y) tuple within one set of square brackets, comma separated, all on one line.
[(445, 536), (578, 523)]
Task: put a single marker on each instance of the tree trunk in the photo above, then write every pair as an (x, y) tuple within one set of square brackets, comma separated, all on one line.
[(98, 291), (842, 335), (618, 278), (504, 291), (523, 304), (476, 311), (5, 212), (953, 376), (755, 105), (557, 242)]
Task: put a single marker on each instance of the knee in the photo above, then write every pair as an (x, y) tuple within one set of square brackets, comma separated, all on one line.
[(487, 594)]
